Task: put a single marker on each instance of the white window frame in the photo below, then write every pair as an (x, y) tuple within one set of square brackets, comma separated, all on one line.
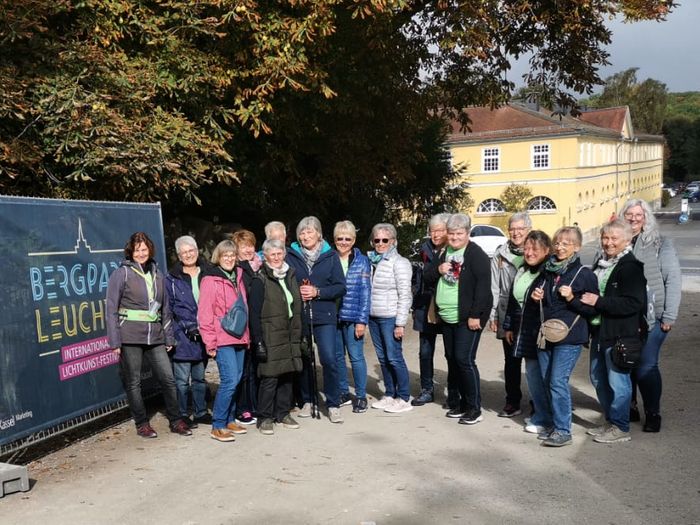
[(538, 154), (539, 199), (501, 207), (490, 156)]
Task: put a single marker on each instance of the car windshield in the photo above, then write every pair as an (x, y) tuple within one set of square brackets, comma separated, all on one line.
[(480, 231)]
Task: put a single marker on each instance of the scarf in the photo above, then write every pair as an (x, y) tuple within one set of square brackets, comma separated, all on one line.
[(279, 273), (311, 256), (514, 249), (375, 258), (559, 267)]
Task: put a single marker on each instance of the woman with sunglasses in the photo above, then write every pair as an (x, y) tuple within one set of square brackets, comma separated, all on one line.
[(320, 276), (353, 315), (390, 303), (565, 281)]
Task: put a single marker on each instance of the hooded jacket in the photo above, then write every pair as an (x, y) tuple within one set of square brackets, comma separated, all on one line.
[(391, 288), (216, 297), (503, 272), (127, 289), (354, 307), (424, 292)]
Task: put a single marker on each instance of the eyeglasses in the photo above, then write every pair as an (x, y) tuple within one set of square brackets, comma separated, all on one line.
[(185, 253), (380, 241), (512, 230), (344, 239), (563, 244), (228, 256), (634, 215)]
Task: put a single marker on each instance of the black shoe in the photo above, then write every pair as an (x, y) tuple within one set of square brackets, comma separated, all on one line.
[(345, 399), (360, 405), (652, 423), (206, 419), (634, 414), (456, 413), (426, 396), (510, 411), (190, 422), (472, 417)]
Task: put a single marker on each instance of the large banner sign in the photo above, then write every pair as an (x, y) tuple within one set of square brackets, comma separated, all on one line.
[(55, 363)]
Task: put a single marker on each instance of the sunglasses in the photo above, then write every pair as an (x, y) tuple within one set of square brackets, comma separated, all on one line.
[(378, 241), (344, 239)]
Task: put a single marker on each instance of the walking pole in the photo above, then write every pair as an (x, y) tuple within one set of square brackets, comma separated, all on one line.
[(315, 412)]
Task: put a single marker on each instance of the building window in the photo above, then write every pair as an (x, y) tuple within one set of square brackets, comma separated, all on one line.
[(491, 159), (540, 156), (541, 203), (491, 206)]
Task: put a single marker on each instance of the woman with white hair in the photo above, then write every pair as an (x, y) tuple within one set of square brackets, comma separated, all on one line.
[(390, 303), (462, 275), (621, 311), (663, 274), (320, 276), (189, 357)]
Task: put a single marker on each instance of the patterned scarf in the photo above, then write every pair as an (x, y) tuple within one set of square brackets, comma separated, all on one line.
[(281, 272), (559, 267), (311, 256), (514, 249)]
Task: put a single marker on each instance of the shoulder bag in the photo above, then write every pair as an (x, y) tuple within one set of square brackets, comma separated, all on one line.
[(554, 330), (236, 319)]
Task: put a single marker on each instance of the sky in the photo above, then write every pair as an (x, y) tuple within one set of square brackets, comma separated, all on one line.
[(666, 51)]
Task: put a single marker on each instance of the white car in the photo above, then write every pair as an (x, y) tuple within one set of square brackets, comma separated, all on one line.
[(487, 237), (669, 189), (693, 187)]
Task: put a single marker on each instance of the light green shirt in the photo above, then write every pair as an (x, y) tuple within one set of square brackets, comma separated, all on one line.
[(521, 284), (288, 295), (447, 296), (195, 285)]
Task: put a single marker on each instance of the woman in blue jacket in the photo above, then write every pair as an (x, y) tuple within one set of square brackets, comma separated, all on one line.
[(353, 315), (320, 276), (565, 281), (189, 358)]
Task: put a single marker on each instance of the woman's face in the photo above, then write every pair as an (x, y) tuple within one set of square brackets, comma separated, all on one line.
[(227, 261), (141, 253), (274, 258), (246, 251), (309, 238), (457, 238), (613, 242), (344, 243), (188, 255), (517, 231), (534, 253), (382, 241), (565, 247), (636, 218), (438, 234)]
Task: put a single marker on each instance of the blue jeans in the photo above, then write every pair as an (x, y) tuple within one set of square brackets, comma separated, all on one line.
[(426, 353), (461, 345), (183, 371), (324, 337), (390, 357), (345, 339), (556, 365), (538, 393), (130, 362), (647, 375), (229, 359), (613, 387)]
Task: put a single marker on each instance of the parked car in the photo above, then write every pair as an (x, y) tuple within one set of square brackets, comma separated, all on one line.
[(692, 187), (694, 196), (487, 237)]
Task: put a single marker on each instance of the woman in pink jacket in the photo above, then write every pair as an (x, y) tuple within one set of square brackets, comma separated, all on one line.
[(218, 293)]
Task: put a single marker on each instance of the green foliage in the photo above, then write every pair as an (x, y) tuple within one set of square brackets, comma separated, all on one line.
[(515, 197), (665, 198), (683, 105)]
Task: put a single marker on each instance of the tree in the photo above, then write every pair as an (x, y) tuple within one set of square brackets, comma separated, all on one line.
[(515, 197), (680, 142)]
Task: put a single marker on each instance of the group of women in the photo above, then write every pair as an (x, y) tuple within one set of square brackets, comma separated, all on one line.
[(263, 317)]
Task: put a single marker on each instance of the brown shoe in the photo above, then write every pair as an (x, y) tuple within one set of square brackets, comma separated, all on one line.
[(221, 434), (146, 431), (180, 427), (236, 429)]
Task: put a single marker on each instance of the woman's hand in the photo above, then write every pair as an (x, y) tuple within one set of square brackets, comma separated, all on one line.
[(566, 292), (444, 268), (308, 292), (474, 323), (117, 351), (589, 298), (537, 294), (169, 348), (509, 337), (360, 330), (211, 352), (398, 332), (493, 325)]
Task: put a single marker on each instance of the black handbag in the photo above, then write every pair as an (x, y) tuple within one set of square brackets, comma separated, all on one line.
[(627, 352)]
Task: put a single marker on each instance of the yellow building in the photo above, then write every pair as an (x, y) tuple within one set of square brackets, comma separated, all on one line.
[(579, 170)]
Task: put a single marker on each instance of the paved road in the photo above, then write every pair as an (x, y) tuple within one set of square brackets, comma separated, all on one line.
[(414, 468)]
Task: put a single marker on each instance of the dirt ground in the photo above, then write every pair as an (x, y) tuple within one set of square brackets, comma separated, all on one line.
[(418, 467)]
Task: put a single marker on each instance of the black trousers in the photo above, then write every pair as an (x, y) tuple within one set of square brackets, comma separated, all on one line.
[(275, 396), (512, 374)]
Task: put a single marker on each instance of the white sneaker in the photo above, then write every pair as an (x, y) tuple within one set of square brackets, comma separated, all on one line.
[(383, 403), (305, 410), (334, 415), (534, 429), (398, 406)]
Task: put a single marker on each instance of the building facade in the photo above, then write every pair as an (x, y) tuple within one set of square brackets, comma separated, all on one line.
[(579, 170)]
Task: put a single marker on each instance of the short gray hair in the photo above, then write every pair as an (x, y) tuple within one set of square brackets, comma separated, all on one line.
[(618, 224), (273, 244), (440, 218), (386, 227), (521, 216), (274, 226), (458, 221), (185, 240), (650, 224), (309, 223)]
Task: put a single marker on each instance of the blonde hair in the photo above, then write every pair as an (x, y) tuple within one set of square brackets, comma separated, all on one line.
[(346, 227), (223, 247)]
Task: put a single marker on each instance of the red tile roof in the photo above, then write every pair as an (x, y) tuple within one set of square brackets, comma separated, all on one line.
[(611, 118)]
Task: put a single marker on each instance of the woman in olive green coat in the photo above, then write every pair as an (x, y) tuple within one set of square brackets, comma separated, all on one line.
[(275, 326)]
